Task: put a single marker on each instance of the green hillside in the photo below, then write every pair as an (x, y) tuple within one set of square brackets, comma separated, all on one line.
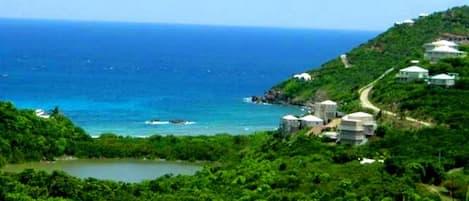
[(26, 137), (393, 48), (441, 105)]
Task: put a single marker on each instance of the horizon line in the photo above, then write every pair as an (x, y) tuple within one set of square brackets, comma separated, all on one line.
[(184, 24)]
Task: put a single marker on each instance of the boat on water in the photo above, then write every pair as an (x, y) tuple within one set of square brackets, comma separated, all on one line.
[(174, 121)]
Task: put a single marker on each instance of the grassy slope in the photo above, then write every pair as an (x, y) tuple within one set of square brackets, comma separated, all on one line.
[(393, 48)]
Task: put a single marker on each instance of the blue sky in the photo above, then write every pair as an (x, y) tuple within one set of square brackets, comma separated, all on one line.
[(324, 14)]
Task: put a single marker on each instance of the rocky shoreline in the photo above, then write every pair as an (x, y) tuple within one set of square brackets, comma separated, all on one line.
[(273, 96)]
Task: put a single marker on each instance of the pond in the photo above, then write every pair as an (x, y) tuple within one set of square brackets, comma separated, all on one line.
[(126, 170)]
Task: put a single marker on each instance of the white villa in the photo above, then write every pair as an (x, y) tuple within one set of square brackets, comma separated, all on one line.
[(412, 73), (369, 161), (442, 49), (326, 110), (310, 121), (440, 43), (289, 124), (303, 76), (405, 22), (443, 80), (41, 113), (354, 128), (408, 21)]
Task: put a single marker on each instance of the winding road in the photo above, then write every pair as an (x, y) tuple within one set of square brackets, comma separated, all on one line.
[(365, 102)]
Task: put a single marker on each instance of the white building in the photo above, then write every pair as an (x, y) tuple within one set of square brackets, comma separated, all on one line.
[(41, 113), (326, 110), (289, 124), (356, 127), (345, 61), (408, 21), (303, 76), (442, 80), (412, 73), (441, 52), (310, 121), (369, 161), (405, 22), (440, 43)]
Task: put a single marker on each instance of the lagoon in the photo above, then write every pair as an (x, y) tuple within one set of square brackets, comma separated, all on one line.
[(125, 170)]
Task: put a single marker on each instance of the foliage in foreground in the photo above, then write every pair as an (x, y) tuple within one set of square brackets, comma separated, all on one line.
[(255, 167)]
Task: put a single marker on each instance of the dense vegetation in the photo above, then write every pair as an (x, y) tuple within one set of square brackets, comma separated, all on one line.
[(262, 166), (25, 137), (393, 48), (198, 148), (258, 166)]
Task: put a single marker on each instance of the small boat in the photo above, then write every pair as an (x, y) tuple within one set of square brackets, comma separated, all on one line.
[(178, 121), (156, 122)]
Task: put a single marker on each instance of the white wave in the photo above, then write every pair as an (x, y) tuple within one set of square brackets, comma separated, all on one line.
[(189, 123), (156, 122), (247, 100)]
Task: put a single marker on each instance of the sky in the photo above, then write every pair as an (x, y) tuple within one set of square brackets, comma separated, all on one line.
[(318, 14)]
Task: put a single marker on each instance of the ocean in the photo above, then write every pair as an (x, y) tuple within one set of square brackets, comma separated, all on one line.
[(115, 77)]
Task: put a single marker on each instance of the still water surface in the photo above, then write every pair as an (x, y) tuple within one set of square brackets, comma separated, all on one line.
[(126, 170)]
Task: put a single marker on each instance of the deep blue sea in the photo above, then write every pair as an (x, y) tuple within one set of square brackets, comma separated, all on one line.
[(112, 77)]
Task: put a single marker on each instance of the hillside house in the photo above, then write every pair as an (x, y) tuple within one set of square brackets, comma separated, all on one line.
[(412, 73), (441, 52), (440, 43), (356, 127), (303, 76), (310, 121), (326, 110), (41, 113), (405, 22), (288, 125), (443, 80)]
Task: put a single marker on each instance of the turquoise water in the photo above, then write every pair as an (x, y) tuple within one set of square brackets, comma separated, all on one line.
[(113, 77), (126, 170)]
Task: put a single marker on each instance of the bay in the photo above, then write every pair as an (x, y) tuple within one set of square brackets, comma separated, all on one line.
[(114, 77)]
